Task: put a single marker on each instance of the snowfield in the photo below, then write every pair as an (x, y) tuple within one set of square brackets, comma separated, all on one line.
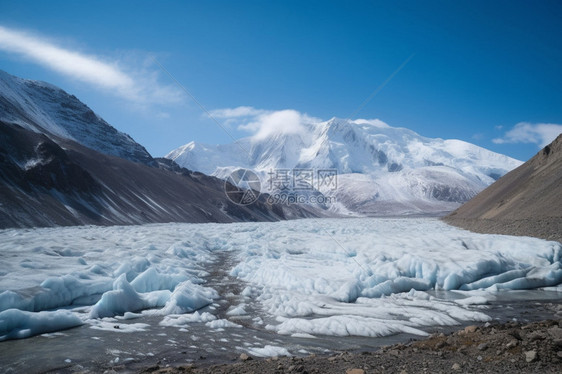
[(306, 278)]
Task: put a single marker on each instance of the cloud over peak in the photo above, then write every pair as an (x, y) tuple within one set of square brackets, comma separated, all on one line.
[(263, 123)]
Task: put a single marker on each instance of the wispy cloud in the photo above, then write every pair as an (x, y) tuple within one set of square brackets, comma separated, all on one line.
[(140, 85), (263, 123), (241, 111), (539, 133)]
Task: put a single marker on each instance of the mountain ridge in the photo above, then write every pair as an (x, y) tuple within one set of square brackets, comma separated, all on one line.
[(45, 108), (402, 172), (48, 183)]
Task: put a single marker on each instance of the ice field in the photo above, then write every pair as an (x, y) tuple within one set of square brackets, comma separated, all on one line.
[(304, 278)]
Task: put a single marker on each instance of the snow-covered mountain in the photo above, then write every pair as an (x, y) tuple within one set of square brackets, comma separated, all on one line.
[(44, 108), (381, 169)]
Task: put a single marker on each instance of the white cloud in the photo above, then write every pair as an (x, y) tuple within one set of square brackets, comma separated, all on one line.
[(477, 136), (283, 121), (263, 123), (163, 115), (140, 86), (539, 133), (372, 122), (241, 111)]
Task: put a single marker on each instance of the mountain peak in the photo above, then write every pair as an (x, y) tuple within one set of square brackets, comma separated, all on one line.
[(551, 152), (359, 121), (48, 109), (379, 167)]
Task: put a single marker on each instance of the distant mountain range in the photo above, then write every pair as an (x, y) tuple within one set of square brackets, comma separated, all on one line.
[(61, 164), (382, 170)]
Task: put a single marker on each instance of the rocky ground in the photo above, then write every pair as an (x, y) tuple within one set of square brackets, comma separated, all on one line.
[(549, 229), (491, 348)]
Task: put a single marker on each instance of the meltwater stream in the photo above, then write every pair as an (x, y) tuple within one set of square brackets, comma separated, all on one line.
[(291, 288)]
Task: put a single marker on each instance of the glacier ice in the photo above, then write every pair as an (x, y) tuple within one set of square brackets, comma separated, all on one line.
[(188, 297), (269, 351), (123, 298), (17, 324), (357, 276)]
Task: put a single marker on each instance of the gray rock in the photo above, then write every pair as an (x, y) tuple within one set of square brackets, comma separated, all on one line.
[(555, 332), (531, 356), (355, 371), (470, 329), (512, 343), (536, 336)]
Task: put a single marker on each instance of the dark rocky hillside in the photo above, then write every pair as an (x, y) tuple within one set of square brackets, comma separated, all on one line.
[(527, 201), (48, 183)]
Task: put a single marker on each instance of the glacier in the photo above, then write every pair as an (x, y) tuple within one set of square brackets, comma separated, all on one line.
[(382, 170), (304, 278)]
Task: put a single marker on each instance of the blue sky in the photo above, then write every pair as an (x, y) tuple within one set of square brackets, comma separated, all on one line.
[(487, 72)]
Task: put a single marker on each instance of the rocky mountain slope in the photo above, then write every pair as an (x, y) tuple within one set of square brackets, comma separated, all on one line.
[(526, 201), (44, 108), (382, 170), (48, 183)]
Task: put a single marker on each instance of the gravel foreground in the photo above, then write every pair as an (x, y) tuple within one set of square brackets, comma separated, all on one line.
[(491, 348)]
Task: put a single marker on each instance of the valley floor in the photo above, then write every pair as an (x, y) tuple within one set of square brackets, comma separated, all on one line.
[(123, 298)]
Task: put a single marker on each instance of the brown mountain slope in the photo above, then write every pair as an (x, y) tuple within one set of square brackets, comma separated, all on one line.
[(526, 201)]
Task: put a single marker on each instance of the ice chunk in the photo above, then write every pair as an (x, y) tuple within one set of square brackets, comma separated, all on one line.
[(152, 280), (188, 297), (123, 298), (269, 351), (184, 319), (54, 292), (494, 279), (237, 311), (400, 284), (17, 324), (473, 300), (345, 326), (221, 323)]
